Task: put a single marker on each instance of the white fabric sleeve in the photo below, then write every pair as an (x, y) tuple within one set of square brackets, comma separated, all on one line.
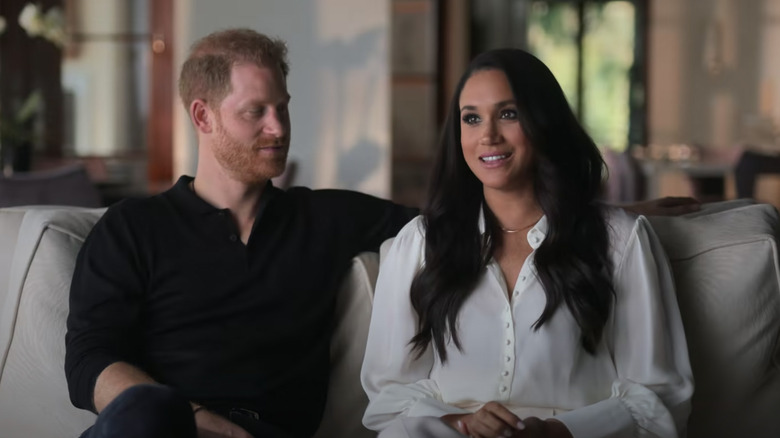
[(397, 383), (651, 397)]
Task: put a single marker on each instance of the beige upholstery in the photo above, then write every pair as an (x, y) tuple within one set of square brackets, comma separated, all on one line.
[(724, 260), (725, 266)]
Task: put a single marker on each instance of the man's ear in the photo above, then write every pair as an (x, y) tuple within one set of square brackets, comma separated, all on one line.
[(201, 116)]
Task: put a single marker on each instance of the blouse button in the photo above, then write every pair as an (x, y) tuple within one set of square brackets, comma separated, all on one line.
[(508, 341), (522, 278), (503, 389), (536, 239), (233, 237), (505, 373), (508, 358), (507, 325)]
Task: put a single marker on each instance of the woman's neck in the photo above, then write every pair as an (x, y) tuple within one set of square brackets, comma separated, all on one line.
[(514, 210)]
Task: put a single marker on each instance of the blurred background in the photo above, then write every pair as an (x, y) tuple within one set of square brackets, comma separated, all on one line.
[(682, 96)]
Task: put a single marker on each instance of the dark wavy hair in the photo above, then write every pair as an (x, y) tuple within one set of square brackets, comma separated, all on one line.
[(572, 263)]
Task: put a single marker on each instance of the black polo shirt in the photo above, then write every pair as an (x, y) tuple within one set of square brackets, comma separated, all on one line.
[(166, 284)]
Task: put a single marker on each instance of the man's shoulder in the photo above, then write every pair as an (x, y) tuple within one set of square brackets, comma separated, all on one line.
[(136, 211), (138, 205), (308, 192), (336, 198)]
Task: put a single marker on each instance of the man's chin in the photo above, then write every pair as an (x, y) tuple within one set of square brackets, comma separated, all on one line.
[(260, 176)]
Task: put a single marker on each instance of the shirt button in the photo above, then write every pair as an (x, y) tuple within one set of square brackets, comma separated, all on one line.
[(507, 325), (508, 341), (503, 389), (522, 278), (233, 238), (508, 358), (505, 373), (536, 239)]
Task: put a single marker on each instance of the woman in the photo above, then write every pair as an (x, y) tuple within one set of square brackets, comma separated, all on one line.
[(516, 304)]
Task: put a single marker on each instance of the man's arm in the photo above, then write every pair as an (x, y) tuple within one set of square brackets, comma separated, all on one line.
[(120, 376), (667, 206), (114, 380)]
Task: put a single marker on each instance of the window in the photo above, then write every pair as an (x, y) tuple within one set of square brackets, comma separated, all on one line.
[(595, 48)]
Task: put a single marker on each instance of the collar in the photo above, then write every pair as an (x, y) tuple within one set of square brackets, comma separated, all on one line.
[(535, 235), (193, 203)]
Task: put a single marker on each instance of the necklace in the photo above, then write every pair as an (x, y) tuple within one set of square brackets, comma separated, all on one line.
[(517, 230), (508, 231)]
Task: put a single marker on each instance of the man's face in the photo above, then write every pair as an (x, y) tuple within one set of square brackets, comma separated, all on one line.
[(252, 132)]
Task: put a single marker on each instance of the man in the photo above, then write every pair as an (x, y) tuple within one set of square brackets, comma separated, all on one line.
[(204, 311), (215, 296)]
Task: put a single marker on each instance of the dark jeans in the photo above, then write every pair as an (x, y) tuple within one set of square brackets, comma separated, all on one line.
[(157, 411), (145, 411), (749, 166)]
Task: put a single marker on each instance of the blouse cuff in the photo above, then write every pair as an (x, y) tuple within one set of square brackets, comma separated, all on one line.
[(433, 408), (411, 400), (633, 410), (606, 419)]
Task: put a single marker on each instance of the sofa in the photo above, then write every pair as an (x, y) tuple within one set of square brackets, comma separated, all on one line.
[(724, 259)]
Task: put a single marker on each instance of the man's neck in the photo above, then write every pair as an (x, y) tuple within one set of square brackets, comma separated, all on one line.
[(242, 199)]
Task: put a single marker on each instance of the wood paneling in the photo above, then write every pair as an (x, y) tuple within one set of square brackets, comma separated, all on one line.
[(160, 134)]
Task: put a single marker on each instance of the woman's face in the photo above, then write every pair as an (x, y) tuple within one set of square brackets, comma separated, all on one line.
[(494, 144)]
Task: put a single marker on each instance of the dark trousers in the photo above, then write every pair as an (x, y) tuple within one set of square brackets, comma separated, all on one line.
[(749, 166), (145, 411), (157, 411)]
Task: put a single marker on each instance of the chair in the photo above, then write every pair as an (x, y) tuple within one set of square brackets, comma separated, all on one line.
[(69, 185), (626, 181)]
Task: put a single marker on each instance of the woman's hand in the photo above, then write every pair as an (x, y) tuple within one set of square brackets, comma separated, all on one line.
[(537, 428), (211, 425), (492, 421), (496, 421)]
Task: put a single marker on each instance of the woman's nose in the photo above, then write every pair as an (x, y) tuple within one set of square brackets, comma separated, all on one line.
[(490, 134)]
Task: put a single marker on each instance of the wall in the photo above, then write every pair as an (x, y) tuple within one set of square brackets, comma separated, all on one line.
[(339, 80), (712, 69)]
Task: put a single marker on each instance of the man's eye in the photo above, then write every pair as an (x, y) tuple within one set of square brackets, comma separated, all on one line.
[(509, 114), (470, 119)]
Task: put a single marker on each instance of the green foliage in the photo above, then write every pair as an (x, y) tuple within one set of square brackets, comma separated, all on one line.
[(608, 55)]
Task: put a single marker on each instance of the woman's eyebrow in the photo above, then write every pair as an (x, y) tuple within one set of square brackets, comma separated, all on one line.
[(499, 104)]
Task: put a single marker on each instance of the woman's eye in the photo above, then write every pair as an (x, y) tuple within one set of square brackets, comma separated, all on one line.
[(470, 119), (509, 114)]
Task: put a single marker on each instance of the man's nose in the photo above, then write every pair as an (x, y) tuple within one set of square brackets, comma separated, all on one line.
[(276, 124)]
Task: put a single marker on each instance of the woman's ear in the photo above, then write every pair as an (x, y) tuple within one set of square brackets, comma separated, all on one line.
[(201, 116)]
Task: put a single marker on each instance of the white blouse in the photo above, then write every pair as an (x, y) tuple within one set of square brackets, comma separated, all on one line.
[(638, 383)]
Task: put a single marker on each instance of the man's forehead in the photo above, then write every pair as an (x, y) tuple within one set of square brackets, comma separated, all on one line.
[(257, 76)]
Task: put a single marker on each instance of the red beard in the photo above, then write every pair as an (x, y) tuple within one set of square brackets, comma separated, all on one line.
[(250, 163)]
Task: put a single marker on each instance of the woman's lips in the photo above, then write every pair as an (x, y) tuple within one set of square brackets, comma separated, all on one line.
[(494, 160)]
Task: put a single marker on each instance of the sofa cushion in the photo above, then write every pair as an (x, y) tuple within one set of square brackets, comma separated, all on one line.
[(346, 399), (10, 220), (725, 265), (33, 394)]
